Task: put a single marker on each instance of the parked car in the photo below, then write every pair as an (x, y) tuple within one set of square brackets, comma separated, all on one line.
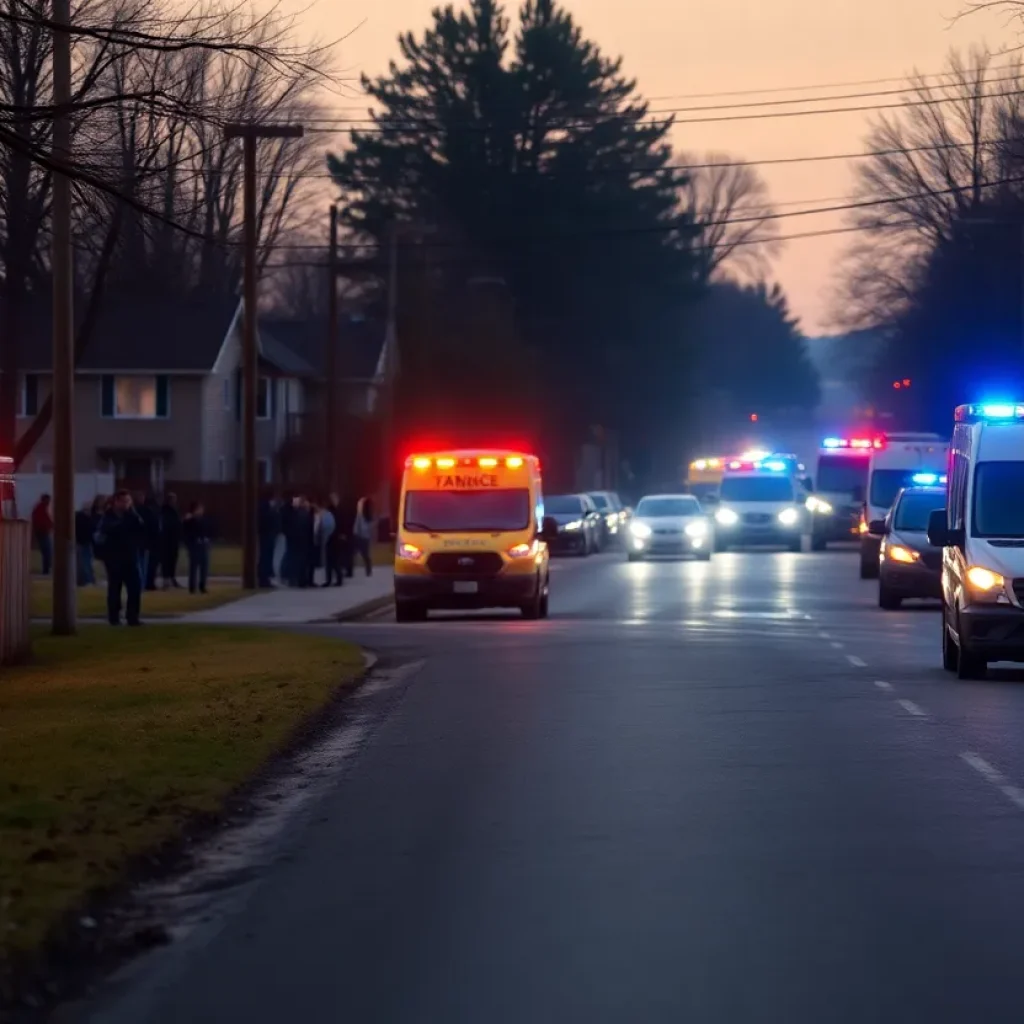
[(613, 512), (580, 525)]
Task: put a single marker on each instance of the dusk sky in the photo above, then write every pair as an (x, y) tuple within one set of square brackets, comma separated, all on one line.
[(675, 48)]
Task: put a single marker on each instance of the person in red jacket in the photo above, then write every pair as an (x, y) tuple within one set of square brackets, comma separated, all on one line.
[(42, 531)]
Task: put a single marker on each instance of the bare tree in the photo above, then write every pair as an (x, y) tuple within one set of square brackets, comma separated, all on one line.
[(933, 163), (159, 191), (730, 205)]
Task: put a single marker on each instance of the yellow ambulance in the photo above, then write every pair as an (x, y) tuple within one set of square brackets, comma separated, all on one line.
[(472, 534)]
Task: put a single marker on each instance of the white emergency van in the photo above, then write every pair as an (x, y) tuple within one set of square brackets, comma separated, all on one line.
[(761, 501), (982, 536), (897, 461)]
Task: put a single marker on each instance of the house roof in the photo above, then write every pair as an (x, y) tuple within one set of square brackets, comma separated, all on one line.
[(303, 342), (140, 333)]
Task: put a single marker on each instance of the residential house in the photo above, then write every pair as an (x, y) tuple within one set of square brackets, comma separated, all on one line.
[(158, 391), (297, 350)]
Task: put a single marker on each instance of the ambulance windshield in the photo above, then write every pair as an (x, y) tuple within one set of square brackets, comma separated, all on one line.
[(484, 511)]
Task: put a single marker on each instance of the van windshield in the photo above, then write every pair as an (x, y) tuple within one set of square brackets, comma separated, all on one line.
[(887, 483), (489, 511), (842, 474), (998, 500)]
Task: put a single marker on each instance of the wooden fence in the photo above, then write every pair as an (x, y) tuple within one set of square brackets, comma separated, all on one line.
[(15, 581)]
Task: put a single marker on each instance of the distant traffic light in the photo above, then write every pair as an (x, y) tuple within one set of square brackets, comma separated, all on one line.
[(897, 385), (753, 417)]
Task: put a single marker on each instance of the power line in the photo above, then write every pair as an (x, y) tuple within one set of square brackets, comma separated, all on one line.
[(425, 125), (597, 115), (845, 207), (743, 242)]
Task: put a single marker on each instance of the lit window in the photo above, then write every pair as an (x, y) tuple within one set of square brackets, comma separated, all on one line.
[(135, 398)]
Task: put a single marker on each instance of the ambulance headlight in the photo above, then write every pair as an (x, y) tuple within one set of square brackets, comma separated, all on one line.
[(789, 517), (698, 528), (726, 517)]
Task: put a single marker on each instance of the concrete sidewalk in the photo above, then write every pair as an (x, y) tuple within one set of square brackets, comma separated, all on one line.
[(296, 606)]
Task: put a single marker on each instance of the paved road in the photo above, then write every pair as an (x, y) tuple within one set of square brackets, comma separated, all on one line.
[(718, 793)]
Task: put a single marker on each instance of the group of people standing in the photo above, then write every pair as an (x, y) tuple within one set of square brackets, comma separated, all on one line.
[(326, 535), (136, 541)]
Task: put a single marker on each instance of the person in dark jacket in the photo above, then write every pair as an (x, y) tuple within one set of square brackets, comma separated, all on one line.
[(334, 546), (268, 528), (42, 531), (85, 527), (170, 541), (121, 539), (196, 533)]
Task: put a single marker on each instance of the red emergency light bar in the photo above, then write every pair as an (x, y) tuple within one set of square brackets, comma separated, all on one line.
[(858, 444)]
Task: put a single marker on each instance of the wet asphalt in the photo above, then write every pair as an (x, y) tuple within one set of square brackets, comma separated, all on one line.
[(733, 791)]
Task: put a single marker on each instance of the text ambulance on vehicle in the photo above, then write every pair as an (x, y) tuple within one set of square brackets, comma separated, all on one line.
[(472, 534), (840, 486), (981, 532), (761, 501)]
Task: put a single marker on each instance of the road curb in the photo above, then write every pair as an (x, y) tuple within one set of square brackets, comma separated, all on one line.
[(358, 611)]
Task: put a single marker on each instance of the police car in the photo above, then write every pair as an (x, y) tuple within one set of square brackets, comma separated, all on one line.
[(981, 533), (761, 502), (908, 565)]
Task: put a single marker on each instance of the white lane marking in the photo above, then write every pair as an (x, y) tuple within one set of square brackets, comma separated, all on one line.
[(825, 636), (992, 774), (983, 768), (855, 661), (837, 645), (912, 709), (883, 685)]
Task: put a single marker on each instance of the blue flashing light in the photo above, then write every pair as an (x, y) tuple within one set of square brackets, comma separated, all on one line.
[(775, 466), (928, 479), (1000, 411), (832, 442)]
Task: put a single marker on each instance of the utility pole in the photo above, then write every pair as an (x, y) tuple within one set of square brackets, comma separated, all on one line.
[(63, 498), (331, 440), (249, 133), (390, 371)]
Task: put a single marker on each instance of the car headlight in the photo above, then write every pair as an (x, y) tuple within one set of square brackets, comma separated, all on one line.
[(697, 528), (984, 580), (726, 517), (574, 525), (818, 506), (789, 517), (641, 530), (898, 553)]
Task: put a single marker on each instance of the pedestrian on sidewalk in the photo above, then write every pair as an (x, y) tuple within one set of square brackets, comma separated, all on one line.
[(348, 508), (170, 540), (315, 547), (42, 531), (269, 527), (363, 531), (85, 527), (334, 545), (121, 539), (328, 528), (195, 532)]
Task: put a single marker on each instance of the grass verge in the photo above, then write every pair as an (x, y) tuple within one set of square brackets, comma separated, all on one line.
[(156, 604), (115, 741), (226, 560)]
